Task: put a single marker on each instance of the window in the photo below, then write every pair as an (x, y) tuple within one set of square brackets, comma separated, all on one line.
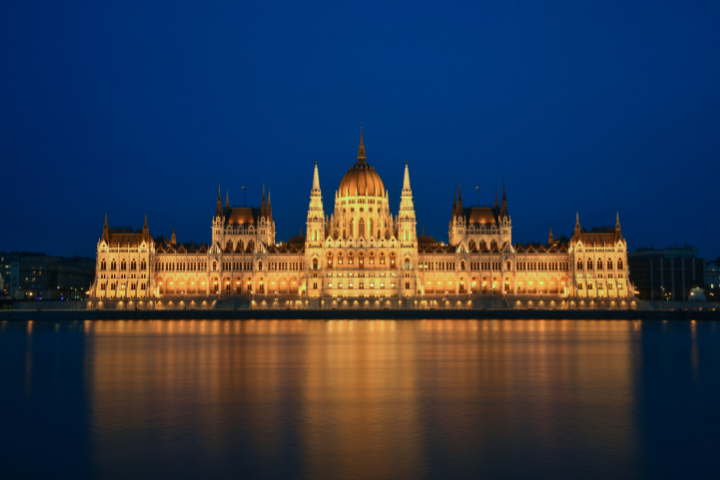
[(143, 265), (103, 265), (579, 265), (123, 265), (589, 264), (508, 266), (407, 285), (620, 264), (609, 264), (113, 265), (599, 264)]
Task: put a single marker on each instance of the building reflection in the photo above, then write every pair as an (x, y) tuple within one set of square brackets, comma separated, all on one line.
[(361, 399)]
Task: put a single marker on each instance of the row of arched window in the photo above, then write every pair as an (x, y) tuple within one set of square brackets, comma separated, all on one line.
[(123, 265), (600, 264), (542, 266), (132, 286), (180, 266), (240, 266), (339, 258)]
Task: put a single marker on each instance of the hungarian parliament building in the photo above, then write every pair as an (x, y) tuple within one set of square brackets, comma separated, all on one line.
[(363, 254)]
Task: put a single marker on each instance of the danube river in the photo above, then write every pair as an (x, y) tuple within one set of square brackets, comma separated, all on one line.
[(353, 399)]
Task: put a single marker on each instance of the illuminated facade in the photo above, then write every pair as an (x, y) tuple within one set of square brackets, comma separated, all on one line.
[(363, 253)]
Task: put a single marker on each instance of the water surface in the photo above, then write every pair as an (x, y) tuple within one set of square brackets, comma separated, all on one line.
[(360, 399)]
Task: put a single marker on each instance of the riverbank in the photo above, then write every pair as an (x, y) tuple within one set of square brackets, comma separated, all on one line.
[(506, 314)]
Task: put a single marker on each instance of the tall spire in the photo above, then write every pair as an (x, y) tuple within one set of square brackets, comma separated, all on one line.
[(173, 240), (550, 237), (577, 222), (459, 205), (617, 224), (269, 207), (361, 149), (263, 203), (218, 207), (504, 209), (146, 230), (316, 181), (227, 199), (106, 233), (406, 179), (454, 204)]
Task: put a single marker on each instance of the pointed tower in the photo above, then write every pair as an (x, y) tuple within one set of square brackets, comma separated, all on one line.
[(361, 149), (263, 204), (146, 230), (315, 227), (504, 209), (106, 231), (551, 239), (227, 199), (578, 229), (269, 207), (173, 240), (407, 235), (218, 207), (454, 210), (618, 230), (459, 205)]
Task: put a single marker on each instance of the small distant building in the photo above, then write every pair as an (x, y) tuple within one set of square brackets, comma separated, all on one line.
[(5, 273), (667, 274), (31, 276), (712, 275)]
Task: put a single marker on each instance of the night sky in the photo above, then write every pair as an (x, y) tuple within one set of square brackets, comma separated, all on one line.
[(144, 107)]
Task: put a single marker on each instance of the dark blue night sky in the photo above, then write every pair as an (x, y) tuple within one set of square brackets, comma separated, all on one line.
[(143, 107)]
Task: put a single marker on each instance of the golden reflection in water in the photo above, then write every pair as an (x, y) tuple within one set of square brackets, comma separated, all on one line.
[(362, 399)]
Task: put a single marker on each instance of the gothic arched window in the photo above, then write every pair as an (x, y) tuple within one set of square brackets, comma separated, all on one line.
[(599, 264), (103, 265), (579, 264), (113, 265), (620, 264), (123, 265), (589, 264), (609, 264)]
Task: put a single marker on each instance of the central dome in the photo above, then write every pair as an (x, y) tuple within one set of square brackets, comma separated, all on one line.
[(361, 179)]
